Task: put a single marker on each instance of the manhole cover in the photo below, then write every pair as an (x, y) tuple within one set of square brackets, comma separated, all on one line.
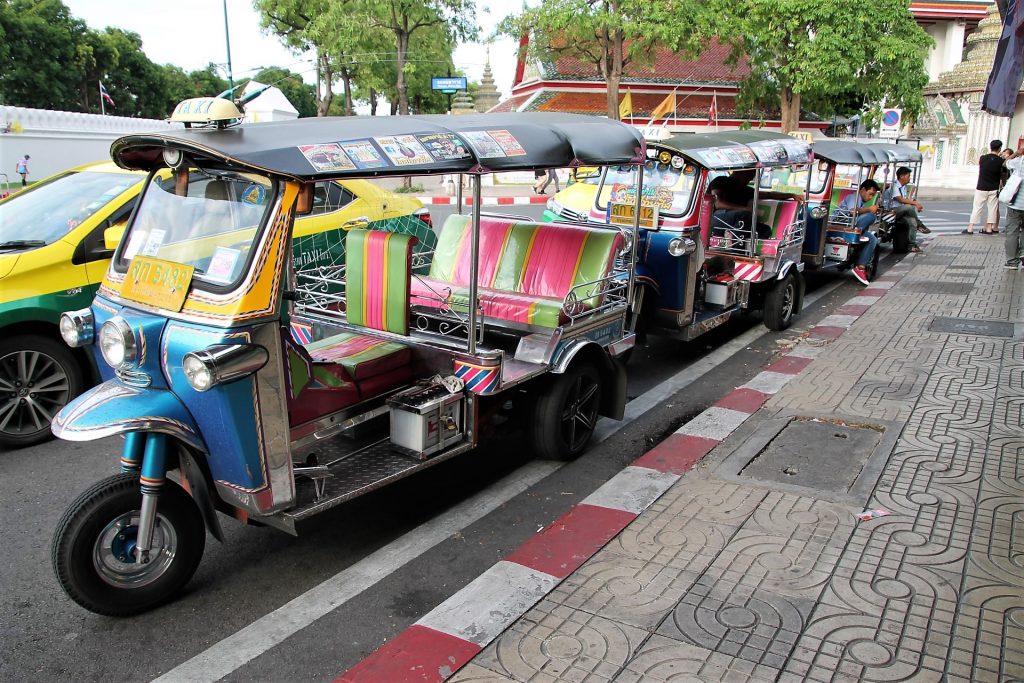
[(816, 454), (985, 328), (951, 288)]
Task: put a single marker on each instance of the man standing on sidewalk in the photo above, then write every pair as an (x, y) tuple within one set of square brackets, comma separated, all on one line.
[(990, 168), (1015, 215)]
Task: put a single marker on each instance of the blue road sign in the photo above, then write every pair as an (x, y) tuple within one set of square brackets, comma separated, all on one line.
[(444, 83)]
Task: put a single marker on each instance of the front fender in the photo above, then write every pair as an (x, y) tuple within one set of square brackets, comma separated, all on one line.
[(115, 408)]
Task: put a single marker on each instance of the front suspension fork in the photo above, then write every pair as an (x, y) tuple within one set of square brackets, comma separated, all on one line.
[(146, 454)]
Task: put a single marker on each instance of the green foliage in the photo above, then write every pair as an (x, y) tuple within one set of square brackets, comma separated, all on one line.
[(835, 52), (43, 66)]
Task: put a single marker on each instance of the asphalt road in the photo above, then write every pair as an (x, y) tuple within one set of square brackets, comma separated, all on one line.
[(267, 606)]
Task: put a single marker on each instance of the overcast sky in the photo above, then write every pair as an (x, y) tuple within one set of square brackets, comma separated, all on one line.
[(190, 34)]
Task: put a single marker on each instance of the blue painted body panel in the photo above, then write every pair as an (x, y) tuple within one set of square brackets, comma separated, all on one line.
[(668, 272)]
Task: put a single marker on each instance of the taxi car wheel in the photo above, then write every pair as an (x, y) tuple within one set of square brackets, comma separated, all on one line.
[(38, 376), (565, 415), (93, 551)]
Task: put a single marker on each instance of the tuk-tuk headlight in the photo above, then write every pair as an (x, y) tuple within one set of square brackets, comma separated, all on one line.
[(681, 246), (117, 343), (222, 363), (819, 212), (77, 328)]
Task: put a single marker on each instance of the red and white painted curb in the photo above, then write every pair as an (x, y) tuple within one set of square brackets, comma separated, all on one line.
[(448, 637), (486, 201)]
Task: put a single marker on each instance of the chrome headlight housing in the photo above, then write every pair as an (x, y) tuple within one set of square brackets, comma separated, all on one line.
[(117, 343), (819, 212), (222, 363), (681, 246), (77, 328)]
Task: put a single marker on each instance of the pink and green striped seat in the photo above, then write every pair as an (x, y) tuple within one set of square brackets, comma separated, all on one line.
[(350, 367), (525, 270)]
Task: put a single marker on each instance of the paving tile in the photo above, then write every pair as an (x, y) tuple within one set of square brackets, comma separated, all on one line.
[(556, 643), (474, 673)]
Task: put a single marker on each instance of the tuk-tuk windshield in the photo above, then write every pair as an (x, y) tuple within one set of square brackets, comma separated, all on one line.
[(849, 176), (666, 187), (212, 224)]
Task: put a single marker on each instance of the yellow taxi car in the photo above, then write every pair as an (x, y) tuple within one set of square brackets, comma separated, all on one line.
[(56, 239), (574, 202)]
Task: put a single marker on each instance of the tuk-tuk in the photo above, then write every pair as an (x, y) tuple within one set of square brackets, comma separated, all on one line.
[(832, 239), (272, 387), (699, 262)]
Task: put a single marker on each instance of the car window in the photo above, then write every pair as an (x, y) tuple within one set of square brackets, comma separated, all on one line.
[(49, 210), (329, 197)]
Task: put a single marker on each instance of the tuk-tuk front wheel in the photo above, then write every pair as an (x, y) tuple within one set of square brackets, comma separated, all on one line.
[(780, 303), (94, 547), (566, 414)]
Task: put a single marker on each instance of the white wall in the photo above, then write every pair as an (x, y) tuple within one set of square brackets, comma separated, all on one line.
[(56, 140)]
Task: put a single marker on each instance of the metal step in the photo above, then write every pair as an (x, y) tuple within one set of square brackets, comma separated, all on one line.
[(352, 474)]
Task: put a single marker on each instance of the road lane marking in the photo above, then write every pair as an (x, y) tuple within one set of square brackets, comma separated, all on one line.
[(248, 643)]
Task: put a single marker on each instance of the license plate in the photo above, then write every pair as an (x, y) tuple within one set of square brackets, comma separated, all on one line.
[(158, 283), (836, 252), (623, 214)]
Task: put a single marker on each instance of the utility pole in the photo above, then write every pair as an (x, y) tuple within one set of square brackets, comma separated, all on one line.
[(227, 41)]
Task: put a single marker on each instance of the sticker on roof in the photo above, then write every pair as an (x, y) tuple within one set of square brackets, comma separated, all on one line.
[(404, 150), (363, 154), (484, 145), (508, 143), (444, 146), (327, 157)]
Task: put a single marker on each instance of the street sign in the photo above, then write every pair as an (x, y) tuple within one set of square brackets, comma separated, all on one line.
[(449, 85), (892, 122)]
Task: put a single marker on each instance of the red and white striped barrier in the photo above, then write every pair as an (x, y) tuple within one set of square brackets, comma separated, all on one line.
[(448, 637), (486, 201)]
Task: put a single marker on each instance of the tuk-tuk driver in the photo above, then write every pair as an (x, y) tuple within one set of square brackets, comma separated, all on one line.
[(897, 198), (856, 204)]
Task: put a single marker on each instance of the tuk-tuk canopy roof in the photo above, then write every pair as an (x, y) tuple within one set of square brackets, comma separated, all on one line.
[(857, 153), (735, 149), (340, 147)]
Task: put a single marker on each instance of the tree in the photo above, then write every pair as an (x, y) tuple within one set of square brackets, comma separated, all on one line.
[(405, 18), (43, 64), (821, 50), (610, 34)]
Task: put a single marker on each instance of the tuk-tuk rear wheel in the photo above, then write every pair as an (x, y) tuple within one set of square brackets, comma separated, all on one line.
[(93, 547), (780, 304), (564, 416), (872, 266)]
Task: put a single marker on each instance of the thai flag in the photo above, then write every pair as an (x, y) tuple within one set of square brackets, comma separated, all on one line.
[(106, 96)]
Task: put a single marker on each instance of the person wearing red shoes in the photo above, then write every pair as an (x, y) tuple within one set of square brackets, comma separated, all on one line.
[(861, 206)]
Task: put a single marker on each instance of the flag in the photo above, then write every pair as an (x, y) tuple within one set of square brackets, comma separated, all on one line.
[(713, 109), (1008, 68), (667, 105), (105, 95), (626, 106)]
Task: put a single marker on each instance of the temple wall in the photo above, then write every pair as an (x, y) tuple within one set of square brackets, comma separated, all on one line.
[(56, 140)]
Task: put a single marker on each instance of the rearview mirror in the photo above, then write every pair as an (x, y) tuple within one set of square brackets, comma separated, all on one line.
[(304, 204), (112, 236)]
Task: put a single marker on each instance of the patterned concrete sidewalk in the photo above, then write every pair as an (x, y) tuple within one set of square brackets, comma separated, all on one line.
[(754, 566)]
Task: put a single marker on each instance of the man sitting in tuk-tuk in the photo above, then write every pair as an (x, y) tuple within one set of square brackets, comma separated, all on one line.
[(898, 199), (861, 206)]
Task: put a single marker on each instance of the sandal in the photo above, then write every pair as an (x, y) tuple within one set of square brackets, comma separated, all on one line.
[(914, 249), (966, 232)]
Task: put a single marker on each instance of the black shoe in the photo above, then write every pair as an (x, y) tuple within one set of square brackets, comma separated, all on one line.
[(1012, 264)]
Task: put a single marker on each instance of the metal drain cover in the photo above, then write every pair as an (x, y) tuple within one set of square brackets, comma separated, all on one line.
[(984, 328)]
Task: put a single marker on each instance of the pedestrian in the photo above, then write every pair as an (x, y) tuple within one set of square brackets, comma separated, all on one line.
[(21, 168), (1013, 196), (539, 180), (552, 176), (990, 169), (897, 198)]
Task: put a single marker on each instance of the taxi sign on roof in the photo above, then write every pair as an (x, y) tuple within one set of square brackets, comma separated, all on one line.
[(205, 110)]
